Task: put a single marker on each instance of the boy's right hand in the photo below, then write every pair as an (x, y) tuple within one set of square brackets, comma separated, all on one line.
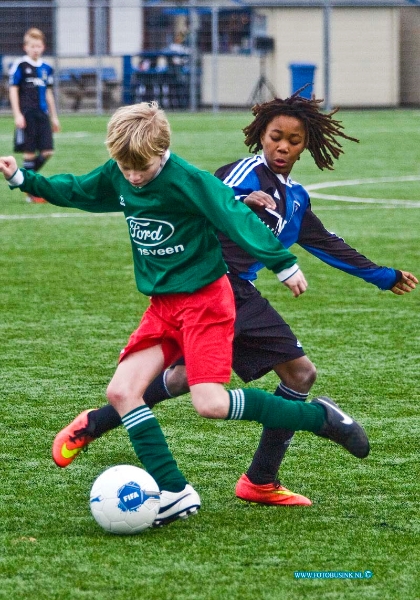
[(20, 121), (296, 283), (8, 166), (260, 199)]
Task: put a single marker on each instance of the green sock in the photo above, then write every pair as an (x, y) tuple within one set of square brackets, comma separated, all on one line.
[(274, 411), (152, 450)]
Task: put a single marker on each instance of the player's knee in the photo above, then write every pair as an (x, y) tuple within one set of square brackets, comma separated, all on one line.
[(309, 375), (211, 411), (210, 402), (304, 379), (176, 381), (208, 411), (115, 394), (300, 375)]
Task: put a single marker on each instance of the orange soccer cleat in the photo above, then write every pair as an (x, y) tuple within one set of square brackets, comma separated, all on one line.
[(35, 199), (69, 442), (273, 494)]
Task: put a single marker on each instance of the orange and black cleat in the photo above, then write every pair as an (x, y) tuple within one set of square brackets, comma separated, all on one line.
[(71, 440)]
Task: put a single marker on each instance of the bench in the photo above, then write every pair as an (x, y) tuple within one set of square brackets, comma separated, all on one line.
[(81, 83)]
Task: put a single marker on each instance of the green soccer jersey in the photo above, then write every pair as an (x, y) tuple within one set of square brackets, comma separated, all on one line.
[(172, 222)]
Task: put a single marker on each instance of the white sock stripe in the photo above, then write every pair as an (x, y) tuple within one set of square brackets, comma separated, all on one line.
[(238, 404), (291, 392), (133, 419), (141, 419), (233, 404), (134, 413), (242, 407)]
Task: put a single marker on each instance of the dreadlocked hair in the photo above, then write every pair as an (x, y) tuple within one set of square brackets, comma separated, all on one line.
[(321, 129)]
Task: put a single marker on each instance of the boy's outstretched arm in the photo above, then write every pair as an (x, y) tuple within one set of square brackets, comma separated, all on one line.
[(406, 284), (8, 166)]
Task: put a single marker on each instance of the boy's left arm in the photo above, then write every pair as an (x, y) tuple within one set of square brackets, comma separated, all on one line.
[(334, 251)]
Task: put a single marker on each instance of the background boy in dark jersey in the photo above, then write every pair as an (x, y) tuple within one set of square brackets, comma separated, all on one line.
[(263, 341), (173, 211), (33, 105)]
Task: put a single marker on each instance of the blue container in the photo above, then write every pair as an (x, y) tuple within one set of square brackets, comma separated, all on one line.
[(302, 74)]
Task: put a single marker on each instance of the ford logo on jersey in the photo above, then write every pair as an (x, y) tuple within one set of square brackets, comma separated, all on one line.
[(149, 232)]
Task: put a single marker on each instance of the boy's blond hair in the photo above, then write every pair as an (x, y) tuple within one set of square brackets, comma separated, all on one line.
[(138, 133), (34, 34)]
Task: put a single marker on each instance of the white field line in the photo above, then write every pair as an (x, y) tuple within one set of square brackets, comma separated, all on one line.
[(390, 203), (70, 135), (76, 215)]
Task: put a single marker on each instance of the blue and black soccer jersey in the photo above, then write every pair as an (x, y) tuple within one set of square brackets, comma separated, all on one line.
[(293, 222), (33, 78)]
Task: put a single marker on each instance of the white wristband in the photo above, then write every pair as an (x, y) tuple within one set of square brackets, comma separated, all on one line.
[(287, 273), (16, 179)]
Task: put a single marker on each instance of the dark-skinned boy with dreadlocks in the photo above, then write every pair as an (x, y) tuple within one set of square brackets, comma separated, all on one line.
[(281, 130)]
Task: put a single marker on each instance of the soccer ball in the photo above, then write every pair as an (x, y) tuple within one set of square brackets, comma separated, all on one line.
[(125, 500)]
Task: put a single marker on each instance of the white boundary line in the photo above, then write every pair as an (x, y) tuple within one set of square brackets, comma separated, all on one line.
[(61, 135), (76, 215), (392, 202)]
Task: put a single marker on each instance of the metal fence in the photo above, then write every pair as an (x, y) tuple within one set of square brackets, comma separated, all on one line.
[(189, 55), (105, 53)]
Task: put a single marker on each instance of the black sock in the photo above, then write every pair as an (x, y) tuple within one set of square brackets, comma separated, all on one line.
[(273, 445), (157, 391), (39, 161), (102, 420)]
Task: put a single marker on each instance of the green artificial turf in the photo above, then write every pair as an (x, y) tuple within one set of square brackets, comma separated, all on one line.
[(68, 303)]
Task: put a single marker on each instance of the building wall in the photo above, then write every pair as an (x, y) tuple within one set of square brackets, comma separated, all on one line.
[(364, 57), (72, 28), (364, 52), (126, 27), (410, 56), (237, 77)]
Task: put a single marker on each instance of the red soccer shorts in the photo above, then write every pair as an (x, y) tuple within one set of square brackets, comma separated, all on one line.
[(198, 326)]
